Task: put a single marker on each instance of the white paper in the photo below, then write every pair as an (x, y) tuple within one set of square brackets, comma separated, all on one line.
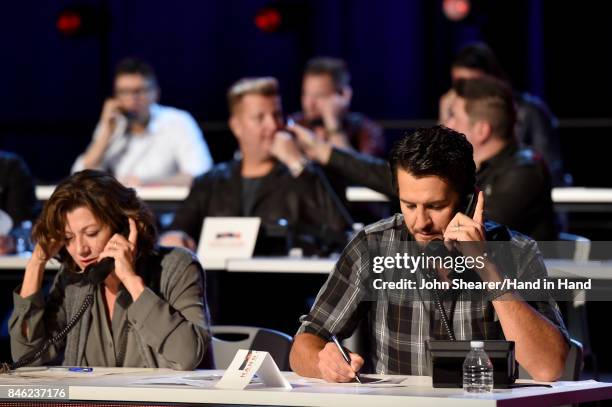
[(52, 372), (368, 380), (195, 380), (201, 380)]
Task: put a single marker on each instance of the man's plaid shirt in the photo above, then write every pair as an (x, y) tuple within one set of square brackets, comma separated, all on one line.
[(400, 326)]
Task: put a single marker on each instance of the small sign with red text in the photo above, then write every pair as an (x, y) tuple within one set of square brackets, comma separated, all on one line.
[(248, 363)]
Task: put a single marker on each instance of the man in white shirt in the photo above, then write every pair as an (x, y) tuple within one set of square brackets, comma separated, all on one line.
[(141, 142)]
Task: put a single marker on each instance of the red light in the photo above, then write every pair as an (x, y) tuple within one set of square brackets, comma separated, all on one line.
[(268, 20), (456, 10), (69, 22)]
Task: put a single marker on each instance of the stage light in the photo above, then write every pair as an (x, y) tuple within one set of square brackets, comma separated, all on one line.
[(268, 19), (82, 20), (456, 10), (69, 22), (283, 16)]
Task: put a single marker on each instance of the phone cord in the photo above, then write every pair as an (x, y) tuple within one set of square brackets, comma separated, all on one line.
[(440, 307), (28, 359), (443, 317)]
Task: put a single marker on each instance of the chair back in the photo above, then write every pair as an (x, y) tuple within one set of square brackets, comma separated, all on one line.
[(582, 246), (228, 339)]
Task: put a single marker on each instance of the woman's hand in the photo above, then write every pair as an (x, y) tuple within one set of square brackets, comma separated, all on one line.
[(124, 252), (39, 256), (35, 269)]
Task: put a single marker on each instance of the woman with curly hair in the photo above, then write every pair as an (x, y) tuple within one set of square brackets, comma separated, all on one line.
[(149, 311)]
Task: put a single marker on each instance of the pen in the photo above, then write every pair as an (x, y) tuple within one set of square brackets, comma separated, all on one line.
[(344, 355), (80, 369)]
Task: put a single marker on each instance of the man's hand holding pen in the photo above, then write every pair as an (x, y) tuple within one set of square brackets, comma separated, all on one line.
[(335, 367)]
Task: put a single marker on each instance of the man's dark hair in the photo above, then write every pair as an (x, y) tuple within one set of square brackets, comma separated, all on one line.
[(136, 66), (491, 100), (334, 67), (479, 56), (437, 151)]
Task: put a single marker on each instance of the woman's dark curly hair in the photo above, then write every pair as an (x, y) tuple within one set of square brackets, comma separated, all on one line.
[(109, 201)]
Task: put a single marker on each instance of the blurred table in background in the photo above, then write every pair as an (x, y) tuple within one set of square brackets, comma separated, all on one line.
[(565, 199)]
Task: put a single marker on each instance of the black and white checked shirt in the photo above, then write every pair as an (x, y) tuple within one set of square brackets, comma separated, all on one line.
[(400, 324)]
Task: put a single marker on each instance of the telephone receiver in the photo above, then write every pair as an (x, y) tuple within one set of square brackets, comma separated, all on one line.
[(470, 206), (129, 115), (97, 272), (124, 114), (436, 247)]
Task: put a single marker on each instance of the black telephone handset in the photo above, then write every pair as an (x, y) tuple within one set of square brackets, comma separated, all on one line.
[(130, 116), (98, 272), (120, 111), (470, 207), (436, 246)]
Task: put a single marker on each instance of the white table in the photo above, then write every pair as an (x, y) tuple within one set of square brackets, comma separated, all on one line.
[(19, 262), (121, 387), (597, 270), (556, 268), (564, 195), (161, 193), (281, 265), (161, 199), (582, 195), (560, 195), (601, 270)]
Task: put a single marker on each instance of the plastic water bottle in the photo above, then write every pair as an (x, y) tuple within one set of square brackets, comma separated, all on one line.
[(21, 234), (477, 370)]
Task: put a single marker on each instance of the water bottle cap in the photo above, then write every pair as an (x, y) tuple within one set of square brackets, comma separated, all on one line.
[(477, 344)]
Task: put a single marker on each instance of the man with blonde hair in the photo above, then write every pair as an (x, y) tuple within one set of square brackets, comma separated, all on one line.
[(266, 181)]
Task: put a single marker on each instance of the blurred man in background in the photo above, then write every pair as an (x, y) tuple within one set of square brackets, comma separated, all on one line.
[(270, 180), (326, 99), (536, 126), (515, 179), (141, 142)]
